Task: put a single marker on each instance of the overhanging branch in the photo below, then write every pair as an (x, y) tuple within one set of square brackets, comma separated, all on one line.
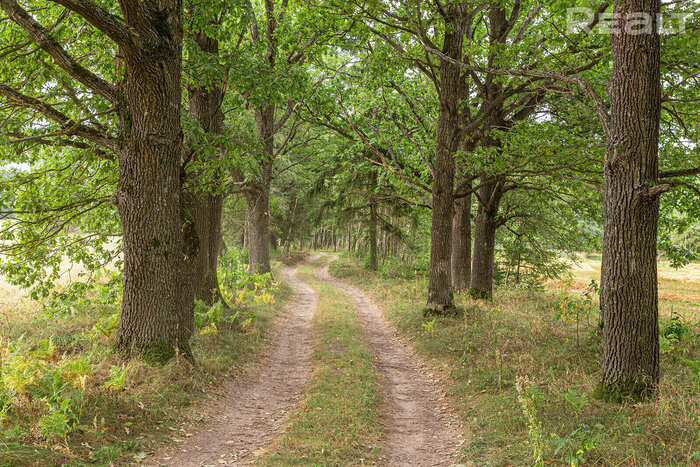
[(69, 126), (103, 20), (45, 41)]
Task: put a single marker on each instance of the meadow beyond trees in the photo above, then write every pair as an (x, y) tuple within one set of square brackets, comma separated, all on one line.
[(264, 199)]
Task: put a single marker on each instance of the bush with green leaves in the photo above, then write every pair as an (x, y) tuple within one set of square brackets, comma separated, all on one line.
[(672, 334), (574, 308), (105, 287), (578, 444)]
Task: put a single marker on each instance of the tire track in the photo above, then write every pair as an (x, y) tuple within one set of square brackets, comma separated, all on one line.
[(254, 409), (420, 428)]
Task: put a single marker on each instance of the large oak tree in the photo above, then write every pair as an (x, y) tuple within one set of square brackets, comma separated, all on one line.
[(144, 135)]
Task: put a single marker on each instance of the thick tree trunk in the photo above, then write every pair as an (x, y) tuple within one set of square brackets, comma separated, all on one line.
[(440, 297), (462, 244), (157, 316), (631, 205), (485, 226), (259, 228)]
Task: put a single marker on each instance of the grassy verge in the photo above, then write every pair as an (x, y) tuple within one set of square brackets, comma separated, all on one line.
[(339, 420), (522, 382), (115, 409)]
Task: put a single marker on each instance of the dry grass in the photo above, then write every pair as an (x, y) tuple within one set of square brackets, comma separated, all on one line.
[(679, 289)]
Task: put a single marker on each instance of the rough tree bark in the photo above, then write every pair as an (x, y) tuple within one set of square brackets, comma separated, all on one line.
[(485, 226), (440, 297), (631, 206), (206, 207), (156, 318), (462, 243)]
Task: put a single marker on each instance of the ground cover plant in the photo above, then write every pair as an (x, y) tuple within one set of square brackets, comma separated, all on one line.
[(68, 398)]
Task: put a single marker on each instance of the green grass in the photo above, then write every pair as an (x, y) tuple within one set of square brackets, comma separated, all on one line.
[(481, 353), (338, 422), (116, 426)]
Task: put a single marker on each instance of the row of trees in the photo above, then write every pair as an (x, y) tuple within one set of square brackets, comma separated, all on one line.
[(125, 104), (353, 116)]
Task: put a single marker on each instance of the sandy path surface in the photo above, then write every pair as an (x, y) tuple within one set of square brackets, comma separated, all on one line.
[(420, 427), (254, 409)]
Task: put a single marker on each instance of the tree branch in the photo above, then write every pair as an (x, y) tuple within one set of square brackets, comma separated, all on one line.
[(680, 173), (69, 126), (63, 59), (103, 20), (601, 108)]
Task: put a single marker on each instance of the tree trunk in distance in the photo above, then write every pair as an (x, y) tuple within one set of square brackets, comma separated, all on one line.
[(258, 198), (630, 368), (206, 207), (485, 226), (373, 263), (462, 244), (259, 228)]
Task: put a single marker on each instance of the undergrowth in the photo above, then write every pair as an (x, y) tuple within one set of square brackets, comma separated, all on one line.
[(67, 399), (521, 376)]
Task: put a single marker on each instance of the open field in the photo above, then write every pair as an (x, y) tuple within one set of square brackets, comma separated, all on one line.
[(679, 289)]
